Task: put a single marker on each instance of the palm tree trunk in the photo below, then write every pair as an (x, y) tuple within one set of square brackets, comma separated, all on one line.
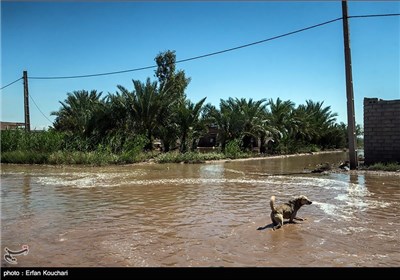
[(183, 146), (149, 146)]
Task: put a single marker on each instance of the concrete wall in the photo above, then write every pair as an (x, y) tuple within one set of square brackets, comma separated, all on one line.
[(381, 130)]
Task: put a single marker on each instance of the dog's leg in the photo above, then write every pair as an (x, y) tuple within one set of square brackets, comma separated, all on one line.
[(274, 222), (297, 218), (292, 218), (277, 226), (278, 221)]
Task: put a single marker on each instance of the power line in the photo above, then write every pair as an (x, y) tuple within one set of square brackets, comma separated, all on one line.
[(93, 75), (39, 109), (379, 15), (262, 41), (215, 53), (196, 57), (218, 52), (11, 83), (192, 58)]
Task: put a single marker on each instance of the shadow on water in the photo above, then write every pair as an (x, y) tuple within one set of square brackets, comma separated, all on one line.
[(271, 226)]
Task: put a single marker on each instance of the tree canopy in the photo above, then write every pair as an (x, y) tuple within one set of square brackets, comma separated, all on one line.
[(160, 109)]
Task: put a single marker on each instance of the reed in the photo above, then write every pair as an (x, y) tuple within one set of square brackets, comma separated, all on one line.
[(390, 166)]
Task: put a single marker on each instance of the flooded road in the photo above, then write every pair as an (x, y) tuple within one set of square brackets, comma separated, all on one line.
[(198, 215)]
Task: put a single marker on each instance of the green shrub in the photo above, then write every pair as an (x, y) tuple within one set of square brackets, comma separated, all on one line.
[(391, 166), (132, 150), (232, 149)]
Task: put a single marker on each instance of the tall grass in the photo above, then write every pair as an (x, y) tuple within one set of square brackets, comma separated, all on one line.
[(390, 166), (23, 157), (43, 141), (189, 157), (18, 146), (78, 157), (52, 147)]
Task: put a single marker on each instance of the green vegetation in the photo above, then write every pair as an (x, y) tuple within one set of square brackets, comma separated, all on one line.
[(52, 147), (189, 157), (233, 150), (391, 166), (123, 127)]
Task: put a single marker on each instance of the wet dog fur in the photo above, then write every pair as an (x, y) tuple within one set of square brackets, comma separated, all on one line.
[(287, 210)]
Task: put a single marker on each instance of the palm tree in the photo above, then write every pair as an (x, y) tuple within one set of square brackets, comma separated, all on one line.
[(188, 121), (149, 107), (281, 119), (322, 120), (235, 118), (77, 112), (229, 121), (267, 130), (254, 120), (302, 128), (242, 120), (113, 122)]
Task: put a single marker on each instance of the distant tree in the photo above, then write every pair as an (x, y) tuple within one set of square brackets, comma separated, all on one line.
[(175, 82)]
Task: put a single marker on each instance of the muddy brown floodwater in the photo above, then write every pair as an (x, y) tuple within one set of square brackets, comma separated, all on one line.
[(198, 215)]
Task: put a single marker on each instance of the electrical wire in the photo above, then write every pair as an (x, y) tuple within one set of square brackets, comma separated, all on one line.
[(213, 53), (218, 52), (379, 15), (195, 57), (11, 83), (192, 58), (92, 75), (30, 96), (262, 41)]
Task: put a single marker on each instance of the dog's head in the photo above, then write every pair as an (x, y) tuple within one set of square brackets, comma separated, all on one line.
[(300, 201)]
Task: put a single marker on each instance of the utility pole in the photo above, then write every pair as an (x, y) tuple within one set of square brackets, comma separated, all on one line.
[(26, 102), (351, 124)]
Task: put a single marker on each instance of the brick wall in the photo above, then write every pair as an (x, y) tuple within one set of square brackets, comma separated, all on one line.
[(381, 130)]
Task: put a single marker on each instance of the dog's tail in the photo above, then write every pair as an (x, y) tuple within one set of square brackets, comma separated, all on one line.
[(272, 203)]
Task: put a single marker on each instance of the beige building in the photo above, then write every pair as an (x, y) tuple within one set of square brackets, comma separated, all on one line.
[(11, 125)]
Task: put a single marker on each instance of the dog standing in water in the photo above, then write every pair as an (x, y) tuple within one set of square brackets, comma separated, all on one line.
[(287, 210)]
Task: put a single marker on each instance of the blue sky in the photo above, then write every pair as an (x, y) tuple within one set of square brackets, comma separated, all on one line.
[(78, 38)]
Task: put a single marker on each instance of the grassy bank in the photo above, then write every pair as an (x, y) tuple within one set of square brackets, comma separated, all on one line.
[(51, 147), (99, 158), (104, 158), (391, 166)]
